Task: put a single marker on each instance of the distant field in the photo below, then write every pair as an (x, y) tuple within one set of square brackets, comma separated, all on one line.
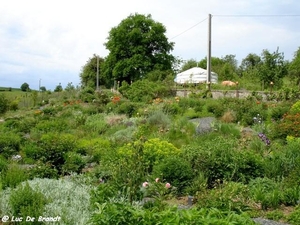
[(9, 89), (23, 98)]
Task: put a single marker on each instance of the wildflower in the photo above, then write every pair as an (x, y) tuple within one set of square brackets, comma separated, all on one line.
[(157, 180), (264, 138), (168, 185), (145, 184)]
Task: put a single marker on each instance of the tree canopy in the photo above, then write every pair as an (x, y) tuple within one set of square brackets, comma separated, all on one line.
[(137, 46), (25, 87), (88, 75), (294, 68)]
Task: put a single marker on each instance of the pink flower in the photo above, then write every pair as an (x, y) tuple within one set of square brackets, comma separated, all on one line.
[(157, 180), (145, 184), (168, 185)]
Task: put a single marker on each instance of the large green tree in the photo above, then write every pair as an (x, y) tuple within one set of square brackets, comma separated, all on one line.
[(88, 74), (25, 87), (250, 62), (137, 46), (294, 68), (272, 68)]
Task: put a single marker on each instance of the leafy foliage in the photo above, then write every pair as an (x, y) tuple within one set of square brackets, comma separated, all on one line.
[(4, 104), (137, 46), (88, 75), (144, 90), (26, 201), (25, 87)]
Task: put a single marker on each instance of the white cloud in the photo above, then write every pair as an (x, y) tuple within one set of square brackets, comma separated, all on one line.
[(52, 40)]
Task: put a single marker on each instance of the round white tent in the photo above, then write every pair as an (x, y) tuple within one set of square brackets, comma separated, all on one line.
[(195, 75)]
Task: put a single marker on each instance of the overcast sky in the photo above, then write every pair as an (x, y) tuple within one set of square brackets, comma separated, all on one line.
[(48, 41)]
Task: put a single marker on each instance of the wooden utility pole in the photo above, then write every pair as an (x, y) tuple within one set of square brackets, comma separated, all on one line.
[(209, 54), (97, 73)]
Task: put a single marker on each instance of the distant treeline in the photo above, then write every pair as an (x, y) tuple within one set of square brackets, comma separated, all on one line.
[(9, 89)]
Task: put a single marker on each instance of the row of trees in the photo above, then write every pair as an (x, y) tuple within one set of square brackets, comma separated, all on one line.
[(138, 49), (265, 68)]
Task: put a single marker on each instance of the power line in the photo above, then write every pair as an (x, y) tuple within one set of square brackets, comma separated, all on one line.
[(188, 29), (250, 15), (256, 15)]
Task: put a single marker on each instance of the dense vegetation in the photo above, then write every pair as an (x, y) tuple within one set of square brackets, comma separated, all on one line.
[(138, 154)]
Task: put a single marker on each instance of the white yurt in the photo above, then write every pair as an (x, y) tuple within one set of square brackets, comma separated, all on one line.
[(195, 75)]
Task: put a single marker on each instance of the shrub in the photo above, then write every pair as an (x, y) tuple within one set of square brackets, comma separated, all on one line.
[(57, 125), (13, 176), (278, 112), (87, 94), (54, 147), (128, 108), (266, 192), (4, 104), (295, 108), (229, 196), (9, 144), (290, 125), (50, 110), (25, 201), (216, 108), (160, 119), (96, 123), (144, 90), (73, 163), (219, 159), (43, 170), (176, 171), (171, 108), (155, 150), (14, 105), (228, 117)]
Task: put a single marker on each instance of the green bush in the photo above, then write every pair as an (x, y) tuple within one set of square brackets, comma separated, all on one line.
[(128, 108), (74, 163), (278, 112), (43, 170), (144, 90), (160, 119), (295, 108), (216, 108), (50, 110), (25, 202), (176, 171), (229, 196), (266, 192), (171, 108), (9, 144), (155, 150), (96, 123), (4, 104), (14, 105), (13, 176), (219, 159), (57, 125), (54, 146), (87, 94)]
